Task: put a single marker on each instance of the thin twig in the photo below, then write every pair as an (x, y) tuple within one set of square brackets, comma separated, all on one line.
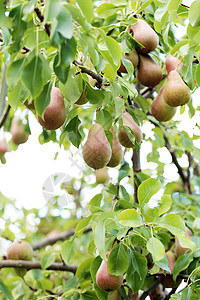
[(4, 116), (88, 71)]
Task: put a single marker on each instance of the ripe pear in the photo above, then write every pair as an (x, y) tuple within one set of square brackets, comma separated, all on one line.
[(97, 150), (160, 109), (133, 57), (123, 137), (176, 92), (167, 281), (148, 73), (145, 35), (178, 249), (117, 153), (115, 296), (20, 250), (173, 63), (3, 147), (82, 100), (101, 175), (54, 114), (19, 135), (105, 280)]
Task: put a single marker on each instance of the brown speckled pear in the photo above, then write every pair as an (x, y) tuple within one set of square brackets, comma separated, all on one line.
[(133, 57), (148, 73), (123, 137), (167, 281), (173, 63), (145, 35), (19, 135), (55, 113), (117, 153), (160, 109), (105, 280), (176, 92), (97, 150), (101, 176), (20, 250)]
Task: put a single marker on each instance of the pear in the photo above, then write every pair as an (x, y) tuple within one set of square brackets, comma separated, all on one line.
[(178, 249), (97, 150), (3, 147), (133, 57), (148, 73), (82, 100), (105, 280), (167, 281), (123, 137), (20, 250), (19, 135), (117, 153), (55, 113), (160, 109), (114, 296), (176, 92), (101, 175), (173, 63), (145, 35)]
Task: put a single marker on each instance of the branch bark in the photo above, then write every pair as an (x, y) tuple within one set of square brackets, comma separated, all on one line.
[(136, 169), (29, 265), (60, 237)]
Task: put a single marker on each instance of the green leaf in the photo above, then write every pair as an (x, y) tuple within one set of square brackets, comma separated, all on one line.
[(130, 218), (194, 13), (68, 250), (106, 10), (104, 118), (173, 8), (117, 261), (77, 16), (13, 72), (173, 223), (95, 202), (72, 131), (147, 189), (156, 248), (63, 25), (52, 8), (164, 205), (43, 100), (87, 9), (134, 281), (82, 224), (47, 260), (83, 271), (119, 106), (61, 73), (138, 264), (181, 264), (99, 237), (94, 96), (185, 242), (197, 74), (35, 74), (5, 290), (16, 94)]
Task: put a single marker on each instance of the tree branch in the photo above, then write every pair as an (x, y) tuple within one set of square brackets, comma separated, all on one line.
[(4, 116), (59, 237), (88, 71), (136, 169), (29, 265)]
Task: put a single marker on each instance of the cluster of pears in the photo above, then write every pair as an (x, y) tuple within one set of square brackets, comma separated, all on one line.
[(20, 250), (105, 280), (172, 94), (17, 129), (97, 151), (148, 72)]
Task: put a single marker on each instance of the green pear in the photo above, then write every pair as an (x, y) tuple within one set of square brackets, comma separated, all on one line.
[(148, 73), (176, 92), (145, 35), (178, 249), (122, 135), (20, 250), (105, 280), (101, 176), (160, 109), (114, 296), (167, 281), (173, 63), (117, 153), (97, 150), (133, 57), (55, 113), (82, 100), (19, 135)]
